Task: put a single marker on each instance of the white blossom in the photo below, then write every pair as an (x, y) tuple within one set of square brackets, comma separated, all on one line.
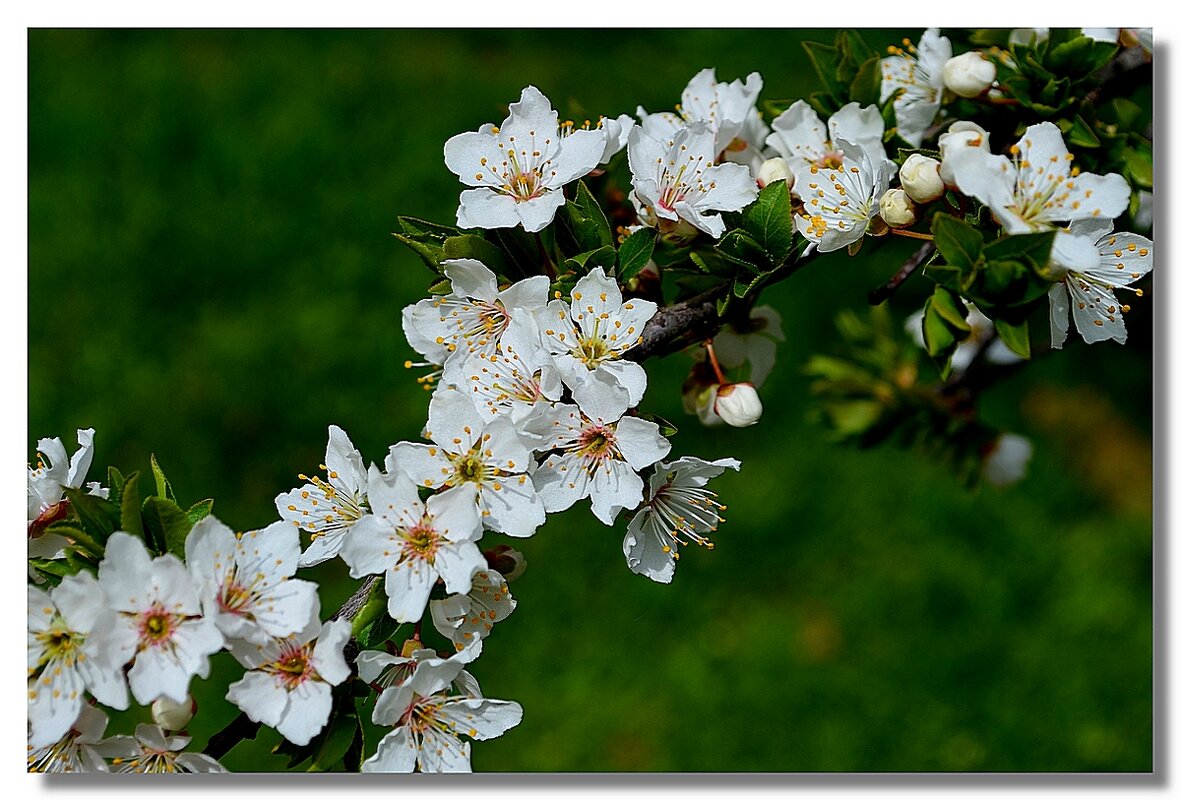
[(801, 138), (918, 72), (48, 482), (328, 507), (400, 677), (738, 404), (752, 343), (839, 202), (959, 135), (1007, 460), (772, 170), (171, 716), (152, 751), (467, 618), (920, 178), (518, 169), (79, 750)]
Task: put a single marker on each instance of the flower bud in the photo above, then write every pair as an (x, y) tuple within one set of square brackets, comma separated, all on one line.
[(968, 74), (920, 178), (1007, 460), (738, 404), (705, 407), (896, 208), (171, 716), (960, 135), (775, 169)]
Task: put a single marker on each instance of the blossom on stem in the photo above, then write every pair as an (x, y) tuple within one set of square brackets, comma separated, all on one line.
[(48, 481), (959, 135), (159, 622), (677, 510), (753, 341), (289, 682), (152, 751), (415, 543), (519, 168), (839, 202), (467, 618), (920, 178), (918, 72), (79, 750), (738, 404), (968, 74), (467, 451), (397, 677), (1038, 186), (67, 628), (676, 179), (804, 141), (328, 508), (1093, 262), (247, 582)]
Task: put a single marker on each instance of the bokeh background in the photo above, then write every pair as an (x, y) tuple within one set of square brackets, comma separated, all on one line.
[(212, 279)]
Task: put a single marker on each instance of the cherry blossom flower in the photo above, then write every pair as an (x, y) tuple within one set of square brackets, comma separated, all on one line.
[(488, 456), (328, 508), (473, 316), (152, 751), (677, 510), (804, 141), (159, 623), (753, 343), (467, 618), (415, 543), (588, 337), (289, 682), (676, 180), (1038, 186), (518, 170), (596, 454), (918, 72), (428, 724), (840, 202), (48, 481), (1093, 263), (398, 677), (246, 582), (79, 750), (66, 630)]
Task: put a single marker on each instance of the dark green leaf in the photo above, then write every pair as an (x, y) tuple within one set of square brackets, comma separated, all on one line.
[(335, 742), (768, 221), (960, 244), (1015, 336), (588, 224), (1031, 249), (99, 516), (414, 226), (166, 525), (130, 508), (1139, 168), (80, 539), (115, 482), (470, 246), (378, 632), (585, 262), (825, 59), (635, 253), (866, 87), (374, 607), (1081, 135), (949, 307), (738, 246), (429, 249), (163, 488)]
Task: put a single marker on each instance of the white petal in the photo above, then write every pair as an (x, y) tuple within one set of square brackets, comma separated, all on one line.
[(396, 753)]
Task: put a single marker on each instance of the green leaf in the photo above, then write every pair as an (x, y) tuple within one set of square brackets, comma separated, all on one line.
[(667, 429), (335, 742), (415, 226), (960, 244), (166, 525), (1138, 167), (356, 753), (470, 246), (738, 246), (1126, 112), (199, 511), (80, 538), (825, 59), (378, 631), (585, 262), (1080, 56), (1081, 135), (442, 287), (949, 307), (429, 249), (588, 224), (866, 87), (635, 253), (768, 221), (163, 488), (99, 517), (373, 608), (1031, 249), (115, 481), (131, 519), (1015, 336)]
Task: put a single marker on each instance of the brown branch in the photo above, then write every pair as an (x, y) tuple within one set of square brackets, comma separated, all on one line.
[(883, 293), (666, 331)]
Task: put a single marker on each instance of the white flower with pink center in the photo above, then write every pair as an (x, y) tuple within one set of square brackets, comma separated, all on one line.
[(596, 454), (488, 456), (398, 677), (467, 618), (289, 682), (67, 627), (159, 623), (328, 507), (414, 543), (677, 510), (517, 170), (246, 581)]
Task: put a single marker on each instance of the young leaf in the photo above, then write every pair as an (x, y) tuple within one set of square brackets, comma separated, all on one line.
[(960, 244), (588, 224), (866, 87), (163, 488), (336, 741), (98, 515), (769, 223), (199, 510), (470, 246), (80, 538), (635, 253), (414, 226), (115, 481), (166, 525), (131, 519), (825, 58), (1015, 336)]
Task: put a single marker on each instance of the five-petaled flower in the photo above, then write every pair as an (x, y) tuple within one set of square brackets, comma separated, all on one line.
[(803, 140), (839, 202), (918, 72)]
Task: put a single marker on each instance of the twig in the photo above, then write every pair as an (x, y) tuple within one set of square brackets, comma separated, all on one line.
[(883, 293)]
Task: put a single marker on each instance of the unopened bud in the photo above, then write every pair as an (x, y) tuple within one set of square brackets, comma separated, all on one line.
[(896, 208), (738, 404), (968, 74), (775, 169), (962, 134), (1007, 461), (171, 716), (506, 560), (705, 407), (920, 178)]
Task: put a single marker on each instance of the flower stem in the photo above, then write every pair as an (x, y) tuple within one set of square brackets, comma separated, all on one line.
[(713, 360), (912, 234)]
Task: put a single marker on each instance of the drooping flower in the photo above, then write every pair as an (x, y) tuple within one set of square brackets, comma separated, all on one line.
[(804, 141), (728, 108), (677, 510), (415, 543), (1038, 186), (159, 622), (247, 582), (467, 618), (289, 682), (328, 508), (488, 456), (1093, 263), (474, 316), (79, 750), (588, 337), (518, 170), (676, 179), (918, 72), (428, 724), (152, 751), (67, 627), (48, 481), (840, 202)]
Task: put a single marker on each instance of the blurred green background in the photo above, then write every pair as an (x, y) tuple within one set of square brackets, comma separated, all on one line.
[(212, 279)]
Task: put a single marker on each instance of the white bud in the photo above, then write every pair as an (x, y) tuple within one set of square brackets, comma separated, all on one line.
[(968, 74), (896, 208), (775, 169), (738, 404), (960, 135), (705, 407), (171, 716), (1008, 460), (920, 178)]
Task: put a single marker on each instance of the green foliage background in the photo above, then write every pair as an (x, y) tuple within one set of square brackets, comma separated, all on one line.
[(212, 279)]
